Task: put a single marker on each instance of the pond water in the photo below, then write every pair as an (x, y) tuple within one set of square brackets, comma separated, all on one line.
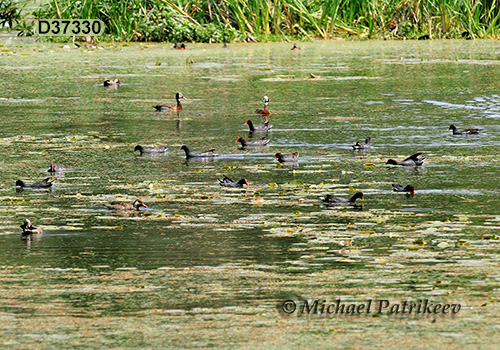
[(204, 266)]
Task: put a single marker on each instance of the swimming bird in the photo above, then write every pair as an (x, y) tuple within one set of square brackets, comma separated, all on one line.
[(178, 97), (45, 183), (227, 182), (295, 47), (259, 128), (155, 150), (407, 188), (56, 168), (112, 82), (264, 111), (255, 143), (361, 146), (471, 131), (30, 230), (120, 205), (206, 154), (410, 161), (292, 158), (179, 47), (339, 200)]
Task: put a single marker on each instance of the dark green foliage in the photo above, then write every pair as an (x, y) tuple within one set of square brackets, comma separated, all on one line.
[(9, 13), (135, 20), (226, 20)]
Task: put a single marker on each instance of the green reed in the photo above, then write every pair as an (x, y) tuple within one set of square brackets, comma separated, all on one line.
[(225, 20)]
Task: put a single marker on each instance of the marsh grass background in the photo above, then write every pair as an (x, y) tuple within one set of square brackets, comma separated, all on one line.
[(227, 20)]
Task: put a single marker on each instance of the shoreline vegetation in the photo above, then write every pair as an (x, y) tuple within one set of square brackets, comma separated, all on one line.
[(217, 21)]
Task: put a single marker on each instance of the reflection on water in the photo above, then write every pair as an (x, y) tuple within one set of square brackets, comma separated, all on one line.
[(198, 239)]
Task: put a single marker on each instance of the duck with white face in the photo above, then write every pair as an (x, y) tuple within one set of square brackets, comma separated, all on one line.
[(166, 107), (120, 205), (30, 230), (112, 82), (264, 111)]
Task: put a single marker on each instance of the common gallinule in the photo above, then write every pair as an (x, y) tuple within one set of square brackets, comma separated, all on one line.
[(255, 143), (339, 200), (112, 82), (295, 47), (410, 161), (263, 111), (407, 188), (29, 229), (178, 97), (56, 168), (361, 146), (258, 128), (45, 183), (155, 150), (207, 154), (471, 131), (292, 158), (227, 182), (119, 205)]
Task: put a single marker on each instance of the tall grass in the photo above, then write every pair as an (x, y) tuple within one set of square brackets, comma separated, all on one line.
[(224, 20)]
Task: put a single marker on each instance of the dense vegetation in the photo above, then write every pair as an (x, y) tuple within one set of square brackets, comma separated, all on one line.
[(226, 20)]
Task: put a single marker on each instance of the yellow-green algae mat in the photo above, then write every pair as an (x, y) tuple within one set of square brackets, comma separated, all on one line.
[(189, 308)]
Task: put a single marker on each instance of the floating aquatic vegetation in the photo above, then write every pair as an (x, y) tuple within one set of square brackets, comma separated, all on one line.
[(201, 251)]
